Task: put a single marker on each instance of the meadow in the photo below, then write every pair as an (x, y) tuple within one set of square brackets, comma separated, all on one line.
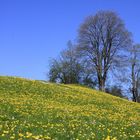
[(33, 110)]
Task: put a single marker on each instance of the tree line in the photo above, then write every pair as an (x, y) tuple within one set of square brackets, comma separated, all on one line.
[(103, 53)]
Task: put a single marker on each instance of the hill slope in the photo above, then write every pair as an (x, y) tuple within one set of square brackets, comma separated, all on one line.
[(35, 110)]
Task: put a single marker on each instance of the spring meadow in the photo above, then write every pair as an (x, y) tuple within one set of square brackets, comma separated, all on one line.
[(69, 70)]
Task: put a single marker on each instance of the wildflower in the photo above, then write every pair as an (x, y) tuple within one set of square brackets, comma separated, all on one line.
[(108, 138), (20, 134)]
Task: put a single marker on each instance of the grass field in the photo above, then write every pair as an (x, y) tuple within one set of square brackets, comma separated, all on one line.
[(43, 111)]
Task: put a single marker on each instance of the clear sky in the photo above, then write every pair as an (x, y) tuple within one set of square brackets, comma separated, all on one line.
[(33, 31)]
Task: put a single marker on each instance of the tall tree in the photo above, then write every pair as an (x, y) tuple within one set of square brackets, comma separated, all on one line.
[(102, 40), (135, 72)]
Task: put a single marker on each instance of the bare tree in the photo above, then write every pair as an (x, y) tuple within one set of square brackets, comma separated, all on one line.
[(70, 69), (67, 68), (135, 72), (102, 39)]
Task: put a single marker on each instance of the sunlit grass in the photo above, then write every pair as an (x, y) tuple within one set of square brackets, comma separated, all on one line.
[(34, 110)]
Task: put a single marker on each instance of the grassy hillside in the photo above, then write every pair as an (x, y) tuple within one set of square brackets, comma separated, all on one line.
[(35, 110)]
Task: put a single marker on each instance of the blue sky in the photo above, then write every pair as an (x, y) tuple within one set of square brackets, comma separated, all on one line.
[(33, 31)]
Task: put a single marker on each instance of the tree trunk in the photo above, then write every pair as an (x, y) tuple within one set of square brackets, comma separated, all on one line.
[(134, 96), (134, 83), (101, 82)]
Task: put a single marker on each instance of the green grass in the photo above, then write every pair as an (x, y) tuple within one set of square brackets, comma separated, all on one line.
[(36, 110)]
